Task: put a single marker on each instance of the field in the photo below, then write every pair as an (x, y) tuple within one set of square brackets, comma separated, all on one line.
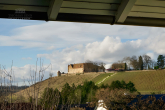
[(145, 81)]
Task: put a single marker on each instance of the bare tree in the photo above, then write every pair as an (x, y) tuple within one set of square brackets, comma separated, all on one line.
[(115, 66), (147, 60), (152, 62), (101, 64), (96, 65), (36, 88), (134, 62), (51, 74), (88, 61), (127, 60)]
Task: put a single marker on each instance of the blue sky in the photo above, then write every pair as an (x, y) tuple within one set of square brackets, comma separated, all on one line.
[(63, 43)]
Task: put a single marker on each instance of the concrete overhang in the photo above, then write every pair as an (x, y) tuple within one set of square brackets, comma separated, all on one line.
[(120, 12)]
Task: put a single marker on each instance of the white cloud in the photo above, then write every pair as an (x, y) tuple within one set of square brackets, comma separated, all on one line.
[(109, 50), (27, 73), (52, 35), (156, 43), (107, 66), (50, 48)]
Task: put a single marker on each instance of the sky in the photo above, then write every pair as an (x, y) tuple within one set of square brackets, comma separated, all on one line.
[(28, 46)]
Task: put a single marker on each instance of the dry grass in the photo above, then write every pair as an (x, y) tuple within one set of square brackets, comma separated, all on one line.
[(146, 81), (57, 82)]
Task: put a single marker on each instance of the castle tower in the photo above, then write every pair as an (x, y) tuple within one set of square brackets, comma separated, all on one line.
[(58, 73)]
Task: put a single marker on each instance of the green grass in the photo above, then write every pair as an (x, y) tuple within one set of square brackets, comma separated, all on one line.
[(145, 81), (99, 78)]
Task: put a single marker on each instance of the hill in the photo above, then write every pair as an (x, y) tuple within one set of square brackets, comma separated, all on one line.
[(145, 81), (56, 82)]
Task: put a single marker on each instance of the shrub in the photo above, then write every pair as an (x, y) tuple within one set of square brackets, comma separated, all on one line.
[(30, 99), (50, 98), (104, 86), (152, 93), (65, 93), (87, 86), (123, 85), (91, 95), (116, 84), (156, 67), (130, 86)]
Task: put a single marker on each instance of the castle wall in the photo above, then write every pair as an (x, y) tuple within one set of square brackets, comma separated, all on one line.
[(83, 67), (76, 70)]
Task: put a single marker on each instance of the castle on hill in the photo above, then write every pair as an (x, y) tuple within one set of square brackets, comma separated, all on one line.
[(84, 67)]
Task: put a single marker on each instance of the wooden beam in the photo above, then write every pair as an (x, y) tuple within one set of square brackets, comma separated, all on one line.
[(54, 8), (158, 3), (87, 11), (97, 1), (149, 15), (102, 19), (123, 10), (148, 9), (89, 5)]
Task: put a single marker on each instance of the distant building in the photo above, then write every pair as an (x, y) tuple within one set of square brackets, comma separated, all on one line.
[(58, 73), (84, 67)]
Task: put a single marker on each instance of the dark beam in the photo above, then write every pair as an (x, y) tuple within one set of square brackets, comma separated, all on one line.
[(102, 19)]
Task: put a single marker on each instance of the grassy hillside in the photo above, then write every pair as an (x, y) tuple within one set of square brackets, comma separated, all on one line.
[(145, 81), (101, 77), (57, 82)]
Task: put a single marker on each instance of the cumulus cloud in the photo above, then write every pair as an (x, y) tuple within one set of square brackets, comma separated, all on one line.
[(110, 50), (52, 35), (156, 43)]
